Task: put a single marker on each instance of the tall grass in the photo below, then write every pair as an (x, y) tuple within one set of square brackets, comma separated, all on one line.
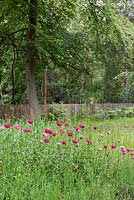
[(31, 169)]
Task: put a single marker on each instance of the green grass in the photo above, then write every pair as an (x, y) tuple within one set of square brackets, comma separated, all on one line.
[(31, 170)]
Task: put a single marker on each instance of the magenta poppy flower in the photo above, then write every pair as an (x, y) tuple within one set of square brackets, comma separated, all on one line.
[(89, 142), (74, 141), (66, 124), (7, 125), (59, 123), (128, 149), (122, 147), (63, 142), (29, 121), (26, 130), (105, 146), (113, 146), (82, 125), (62, 131), (70, 134), (124, 151), (48, 131), (81, 137), (46, 140), (76, 128), (17, 127), (95, 127), (54, 133)]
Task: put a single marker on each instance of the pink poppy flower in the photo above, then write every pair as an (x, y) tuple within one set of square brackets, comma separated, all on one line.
[(99, 149), (95, 127), (74, 141), (41, 141), (66, 124), (107, 154), (82, 125), (59, 123), (46, 140), (70, 134), (48, 131), (63, 142), (29, 121), (77, 129), (54, 133), (89, 142), (44, 134), (26, 130), (124, 151), (2, 128), (62, 131), (128, 149), (113, 146), (17, 127), (105, 146), (7, 115), (7, 125), (81, 137), (122, 147)]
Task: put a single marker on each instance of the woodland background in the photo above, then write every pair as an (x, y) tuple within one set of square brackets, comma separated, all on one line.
[(66, 51)]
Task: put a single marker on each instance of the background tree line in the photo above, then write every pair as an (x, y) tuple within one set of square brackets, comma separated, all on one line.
[(66, 51)]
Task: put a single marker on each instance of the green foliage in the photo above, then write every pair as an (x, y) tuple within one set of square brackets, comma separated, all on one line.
[(56, 113), (83, 113), (114, 114), (88, 43)]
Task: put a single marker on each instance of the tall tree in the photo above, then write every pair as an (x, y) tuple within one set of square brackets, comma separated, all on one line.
[(30, 58)]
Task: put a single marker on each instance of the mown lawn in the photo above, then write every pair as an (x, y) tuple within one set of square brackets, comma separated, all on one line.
[(72, 160)]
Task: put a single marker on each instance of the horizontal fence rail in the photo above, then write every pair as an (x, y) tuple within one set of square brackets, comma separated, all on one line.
[(71, 109)]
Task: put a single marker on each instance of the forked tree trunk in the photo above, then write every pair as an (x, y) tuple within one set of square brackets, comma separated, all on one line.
[(30, 58)]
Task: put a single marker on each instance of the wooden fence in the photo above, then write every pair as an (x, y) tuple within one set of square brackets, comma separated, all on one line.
[(72, 109)]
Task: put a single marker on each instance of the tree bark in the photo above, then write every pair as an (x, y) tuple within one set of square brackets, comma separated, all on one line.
[(30, 58), (45, 86)]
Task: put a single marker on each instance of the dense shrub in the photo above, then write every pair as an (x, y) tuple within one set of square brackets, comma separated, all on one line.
[(114, 114)]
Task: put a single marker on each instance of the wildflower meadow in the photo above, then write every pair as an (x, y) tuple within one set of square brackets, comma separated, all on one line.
[(66, 160)]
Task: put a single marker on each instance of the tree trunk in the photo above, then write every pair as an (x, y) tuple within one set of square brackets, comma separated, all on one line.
[(30, 58), (45, 86), (126, 86)]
